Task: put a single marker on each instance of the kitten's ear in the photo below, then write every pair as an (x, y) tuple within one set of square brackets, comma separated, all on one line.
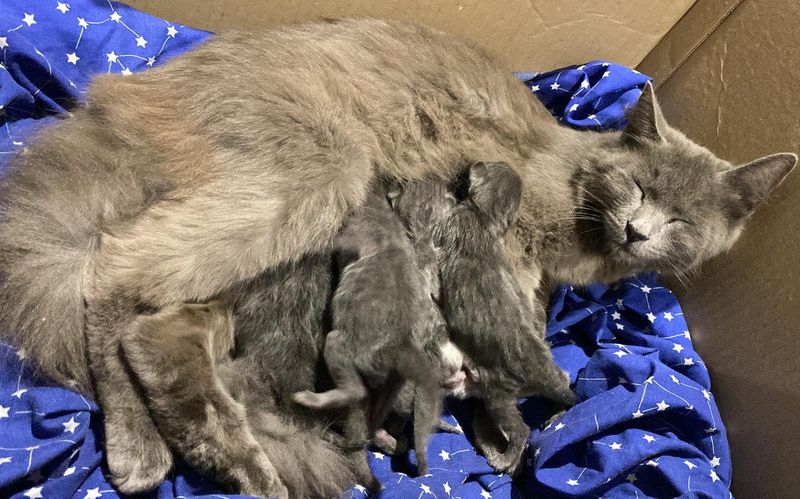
[(755, 180), (645, 122)]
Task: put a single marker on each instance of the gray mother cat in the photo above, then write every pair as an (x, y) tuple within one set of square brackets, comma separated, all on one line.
[(172, 185)]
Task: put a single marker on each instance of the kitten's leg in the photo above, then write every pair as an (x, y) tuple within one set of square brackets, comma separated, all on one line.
[(350, 387), (169, 352), (502, 408), (137, 456), (427, 414)]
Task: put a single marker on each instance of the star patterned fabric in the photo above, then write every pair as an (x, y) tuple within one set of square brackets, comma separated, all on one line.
[(646, 423)]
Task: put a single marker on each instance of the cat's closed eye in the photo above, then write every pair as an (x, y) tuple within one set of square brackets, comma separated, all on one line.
[(641, 189), (680, 220)]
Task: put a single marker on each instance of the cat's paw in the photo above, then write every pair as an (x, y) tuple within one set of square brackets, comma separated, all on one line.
[(137, 462), (507, 462)]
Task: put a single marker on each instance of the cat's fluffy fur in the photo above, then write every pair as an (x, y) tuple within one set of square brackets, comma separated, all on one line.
[(386, 330), (173, 185)]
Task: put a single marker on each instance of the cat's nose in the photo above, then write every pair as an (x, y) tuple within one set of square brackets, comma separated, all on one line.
[(634, 235)]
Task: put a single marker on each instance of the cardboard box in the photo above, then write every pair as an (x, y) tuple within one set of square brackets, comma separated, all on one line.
[(530, 35), (727, 75)]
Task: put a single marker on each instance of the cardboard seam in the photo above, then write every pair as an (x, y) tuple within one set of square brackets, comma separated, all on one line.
[(699, 43)]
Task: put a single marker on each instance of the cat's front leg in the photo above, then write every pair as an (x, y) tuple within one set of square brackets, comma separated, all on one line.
[(137, 456)]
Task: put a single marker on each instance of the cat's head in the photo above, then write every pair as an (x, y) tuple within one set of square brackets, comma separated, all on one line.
[(660, 201), (420, 204)]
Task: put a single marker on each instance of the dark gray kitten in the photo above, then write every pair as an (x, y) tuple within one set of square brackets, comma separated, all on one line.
[(489, 316), (386, 330)]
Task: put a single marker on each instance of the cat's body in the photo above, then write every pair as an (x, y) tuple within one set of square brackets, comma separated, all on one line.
[(386, 330), (173, 185)]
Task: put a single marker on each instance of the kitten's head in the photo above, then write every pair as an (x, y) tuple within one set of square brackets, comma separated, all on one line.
[(662, 202), (495, 189), (420, 204)]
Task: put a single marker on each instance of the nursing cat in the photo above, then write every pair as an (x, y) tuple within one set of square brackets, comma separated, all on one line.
[(253, 149)]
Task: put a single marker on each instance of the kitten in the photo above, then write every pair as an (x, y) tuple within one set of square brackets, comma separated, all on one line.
[(386, 330), (195, 181), (489, 316)]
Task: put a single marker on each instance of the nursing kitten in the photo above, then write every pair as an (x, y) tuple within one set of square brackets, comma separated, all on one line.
[(195, 181), (386, 330), (488, 315)]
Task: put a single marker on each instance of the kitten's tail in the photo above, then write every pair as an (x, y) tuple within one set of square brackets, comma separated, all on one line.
[(308, 465)]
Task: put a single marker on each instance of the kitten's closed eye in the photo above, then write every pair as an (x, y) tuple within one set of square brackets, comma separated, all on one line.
[(681, 220)]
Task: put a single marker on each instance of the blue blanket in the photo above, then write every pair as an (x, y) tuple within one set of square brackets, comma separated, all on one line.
[(646, 424)]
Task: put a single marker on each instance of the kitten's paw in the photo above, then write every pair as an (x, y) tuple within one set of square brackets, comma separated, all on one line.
[(385, 442), (508, 461), (138, 463), (307, 398), (260, 478)]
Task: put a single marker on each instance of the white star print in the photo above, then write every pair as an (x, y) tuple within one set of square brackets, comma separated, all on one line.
[(706, 394), (535, 88), (4, 412), (651, 463), (649, 381), (126, 72), (21, 353), (73, 58), (62, 7), (559, 426), (82, 23), (572, 482), (708, 430), (93, 493), (4, 44), (19, 393), (151, 61), (631, 478), (687, 335), (651, 317), (485, 494), (674, 379), (112, 57), (171, 31), (690, 465), (606, 74), (425, 489), (555, 86), (677, 347), (537, 452), (620, 326), (29, 20), (585, 84), (574, 107), (71, 425), (592, 116), (637, 414), (580, 68), (622, 381), (446, 488), (605, 64), (713, 476), (668, 316), (715, 462), (378, 455), (4, 460), (620, 353), (444, 455), (616, 316), (688, 361), (33, 493), (646, 289), (662, 406), (141, 42), (71, 470), (616, 446), (649, 438), (115, 16)]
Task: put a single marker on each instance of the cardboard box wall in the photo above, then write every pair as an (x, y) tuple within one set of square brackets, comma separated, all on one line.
[(729, 76)]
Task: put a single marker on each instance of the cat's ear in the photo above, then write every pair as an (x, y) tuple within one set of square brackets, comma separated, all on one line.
[(645, 122), (755, 180)]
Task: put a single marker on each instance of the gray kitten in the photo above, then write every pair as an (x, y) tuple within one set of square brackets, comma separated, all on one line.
[(279, 332), (195, 181), (489, 316), (386, 330)]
